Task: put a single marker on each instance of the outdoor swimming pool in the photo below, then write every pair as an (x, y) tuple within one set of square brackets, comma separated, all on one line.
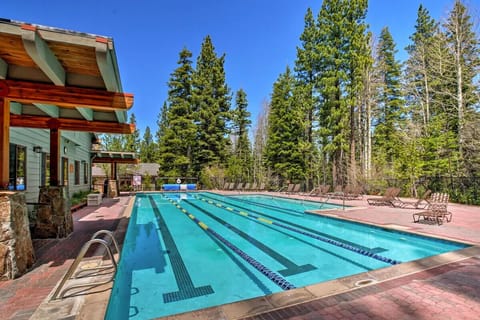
[(188, 251)]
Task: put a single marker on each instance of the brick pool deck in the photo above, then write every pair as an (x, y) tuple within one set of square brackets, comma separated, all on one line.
[(445, 289)]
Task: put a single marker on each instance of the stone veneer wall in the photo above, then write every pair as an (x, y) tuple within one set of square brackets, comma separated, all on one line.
[(54, 219), (16, 249)]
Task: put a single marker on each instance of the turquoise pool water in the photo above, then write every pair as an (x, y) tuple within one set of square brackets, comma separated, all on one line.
[(188, 251)]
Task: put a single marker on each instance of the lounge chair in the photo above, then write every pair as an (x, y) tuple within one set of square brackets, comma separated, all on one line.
[(295, 189), (253, 186), (437, 209), (289, 188), (388, 198), (337, 192), (421, 203), (261, 187), (247, 187), (239, 186)]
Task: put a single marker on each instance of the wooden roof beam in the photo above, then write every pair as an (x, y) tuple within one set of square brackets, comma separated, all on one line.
[(115, 160), (40, 52), (107, 69), (73, 97), (42, 122), (105, 65)]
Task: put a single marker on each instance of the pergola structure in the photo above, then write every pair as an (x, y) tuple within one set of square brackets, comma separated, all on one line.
[(57, 80)]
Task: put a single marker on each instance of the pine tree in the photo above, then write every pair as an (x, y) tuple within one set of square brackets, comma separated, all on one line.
[(132, 141), (463, 46), (177, 127), (147, 147), (211, 105), (306, 68), (334, 110), (241, 160), (283, 153), (389, 104)]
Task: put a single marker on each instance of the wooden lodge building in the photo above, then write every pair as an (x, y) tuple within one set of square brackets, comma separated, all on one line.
[(58, 88)]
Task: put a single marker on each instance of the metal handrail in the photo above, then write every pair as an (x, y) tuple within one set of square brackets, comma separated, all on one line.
[(68, 275)]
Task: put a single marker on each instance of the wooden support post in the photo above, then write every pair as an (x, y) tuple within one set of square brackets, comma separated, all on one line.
[(4, 142), (54, 156)]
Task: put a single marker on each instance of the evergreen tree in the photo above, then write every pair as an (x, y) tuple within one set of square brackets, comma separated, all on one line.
[(132, 141), (283, 153), (211, 105), (113, 142), (306, 68), (334, 106), (240, 163), (177, 128), (147, 147), (463, 46), (389, 104)]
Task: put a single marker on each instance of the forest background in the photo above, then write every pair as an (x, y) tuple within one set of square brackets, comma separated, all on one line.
[(346, 113)]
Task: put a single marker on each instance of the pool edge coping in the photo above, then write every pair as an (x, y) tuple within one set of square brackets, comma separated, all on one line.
[(95, 305)]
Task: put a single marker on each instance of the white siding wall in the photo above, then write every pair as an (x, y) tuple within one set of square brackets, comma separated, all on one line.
[(78, 148)]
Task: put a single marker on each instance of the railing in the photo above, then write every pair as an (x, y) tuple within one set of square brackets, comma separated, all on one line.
[(92, 271)]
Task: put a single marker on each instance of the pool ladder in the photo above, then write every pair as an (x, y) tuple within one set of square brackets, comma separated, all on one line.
[(70, 274)]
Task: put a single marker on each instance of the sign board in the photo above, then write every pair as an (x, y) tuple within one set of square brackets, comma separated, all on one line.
[(137, 181)]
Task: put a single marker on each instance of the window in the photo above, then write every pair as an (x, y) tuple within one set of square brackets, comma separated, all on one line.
[(45, 170), (85, 172), (77, 172), (65, 171), (18, 167)]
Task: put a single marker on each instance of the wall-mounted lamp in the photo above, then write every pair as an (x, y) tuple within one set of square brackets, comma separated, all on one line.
[(65, 150), (37, 149)]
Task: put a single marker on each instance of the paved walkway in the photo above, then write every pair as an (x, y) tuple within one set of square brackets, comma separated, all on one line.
[(19, 298), (450, 291)]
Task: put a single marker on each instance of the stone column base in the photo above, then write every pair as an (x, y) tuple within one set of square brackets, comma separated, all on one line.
[(54, 219), (16, 249)]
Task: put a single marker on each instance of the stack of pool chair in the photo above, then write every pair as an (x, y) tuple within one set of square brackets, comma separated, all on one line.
[(437, 209), (388, 199)]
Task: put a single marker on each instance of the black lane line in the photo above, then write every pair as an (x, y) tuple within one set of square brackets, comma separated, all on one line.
[(274, 277), (291, 268), (337, 243), (279, 230), (293, 224), (186, 288)]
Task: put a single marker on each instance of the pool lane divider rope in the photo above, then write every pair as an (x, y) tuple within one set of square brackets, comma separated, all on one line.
[(291, 268), (324, 239), (273, 276)]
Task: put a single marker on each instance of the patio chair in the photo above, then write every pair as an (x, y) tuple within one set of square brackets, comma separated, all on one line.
[(247, 187), (253, 187), (337, 192), (261, 187), (295, 188), (437, 209), (352, 192), (289, 188), (239, 186), (421, 203), (317, 191), (388, 198)]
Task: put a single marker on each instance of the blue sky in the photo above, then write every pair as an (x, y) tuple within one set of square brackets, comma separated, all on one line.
[(259, 37)]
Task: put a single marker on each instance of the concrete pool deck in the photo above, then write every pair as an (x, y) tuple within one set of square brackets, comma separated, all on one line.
[(442, 287)]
